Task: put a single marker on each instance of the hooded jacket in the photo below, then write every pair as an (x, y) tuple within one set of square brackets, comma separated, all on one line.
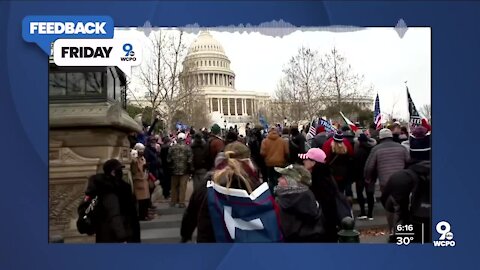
[(116, 218), (319, 140), (361, 156), (275, 150), (300, 216)]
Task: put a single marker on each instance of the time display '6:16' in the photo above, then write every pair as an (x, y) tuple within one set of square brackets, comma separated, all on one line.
[(404, 228)]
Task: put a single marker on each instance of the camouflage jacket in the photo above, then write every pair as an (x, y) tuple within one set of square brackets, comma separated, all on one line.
[(180, 159)]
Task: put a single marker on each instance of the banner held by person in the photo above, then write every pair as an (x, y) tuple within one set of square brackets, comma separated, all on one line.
[(328, 126), (242, 218)]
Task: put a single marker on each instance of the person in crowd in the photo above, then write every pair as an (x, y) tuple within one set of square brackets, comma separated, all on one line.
[(231, 137), (143, 136), (403, 134), (132, 139), (297, 145), (116, 220), (349, 135), (200, 157), (233, 169), (180, 158), (215, 144), (140, 182), (365, 146), (254, 144), (372, 130), (385, 159), (396, 131), (300, 214), (167, 174), (321, 137), (407, 194), (325, 191), (286, 134), (426, 125), (153, 162), (339, 153), (275, 152)]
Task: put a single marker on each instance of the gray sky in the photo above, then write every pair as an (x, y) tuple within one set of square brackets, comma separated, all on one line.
[(386, 60)]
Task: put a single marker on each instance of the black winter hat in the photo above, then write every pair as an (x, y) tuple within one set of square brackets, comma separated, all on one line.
[(111, 165), (338, 137)]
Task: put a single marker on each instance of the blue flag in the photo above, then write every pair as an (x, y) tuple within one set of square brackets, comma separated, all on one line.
[(263, 121), (328, 126), (238, 217)]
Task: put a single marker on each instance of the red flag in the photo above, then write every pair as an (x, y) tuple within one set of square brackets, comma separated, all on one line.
[(349, 123)]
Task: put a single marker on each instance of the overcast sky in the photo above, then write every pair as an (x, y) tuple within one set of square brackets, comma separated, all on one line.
[(386, 60)]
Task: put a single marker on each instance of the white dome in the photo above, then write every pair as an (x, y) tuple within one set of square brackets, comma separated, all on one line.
[(206, 43)]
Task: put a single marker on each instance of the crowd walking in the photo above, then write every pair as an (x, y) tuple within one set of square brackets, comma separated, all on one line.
[(310, 182)]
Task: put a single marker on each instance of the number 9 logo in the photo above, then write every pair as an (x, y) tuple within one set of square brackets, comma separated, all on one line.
[(443, 228), (127, 47)]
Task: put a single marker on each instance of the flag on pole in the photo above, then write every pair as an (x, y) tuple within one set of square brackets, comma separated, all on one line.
[(415, 119), (352, 126), (240, 217), (377, 117), (328, 125), (263, 122), (312, 131)]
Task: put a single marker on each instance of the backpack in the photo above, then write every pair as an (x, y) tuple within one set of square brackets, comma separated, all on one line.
[(87, 215)]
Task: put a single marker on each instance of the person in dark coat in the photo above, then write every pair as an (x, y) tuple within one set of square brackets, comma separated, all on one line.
[(232, 136), (321, 137), (167, 174), (255, 143), (197, 214), (200, 157), (116, 220), (364, 148), (297, 145), (301, 216), (325, 191), (407, 194)]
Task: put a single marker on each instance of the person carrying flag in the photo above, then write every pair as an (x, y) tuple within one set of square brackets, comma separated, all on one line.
[(233, 170)]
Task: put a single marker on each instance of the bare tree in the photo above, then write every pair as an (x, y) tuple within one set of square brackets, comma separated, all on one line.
[(313, 83), (343, 84), (426, 111), (303, 84), (161, 74)]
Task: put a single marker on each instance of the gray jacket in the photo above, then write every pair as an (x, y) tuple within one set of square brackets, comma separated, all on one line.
[(385, 159)]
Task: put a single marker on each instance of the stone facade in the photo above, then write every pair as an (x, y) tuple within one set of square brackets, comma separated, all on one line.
[(82, 137)]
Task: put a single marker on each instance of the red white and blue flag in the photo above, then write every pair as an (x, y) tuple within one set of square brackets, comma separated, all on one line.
[(328, 126), (377, 115), (239, 217), (313, 128)]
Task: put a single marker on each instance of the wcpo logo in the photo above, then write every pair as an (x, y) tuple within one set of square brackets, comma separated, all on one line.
[(98, 52), (446, 235)]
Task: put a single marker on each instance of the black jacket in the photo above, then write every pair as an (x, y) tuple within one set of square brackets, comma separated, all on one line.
[(300, 217), (255, 143), (414, 180), (116, 219), (153, 162), (360, 158), (326, 191), (197, 216), (163, 157), (297, 146), (200, 154)]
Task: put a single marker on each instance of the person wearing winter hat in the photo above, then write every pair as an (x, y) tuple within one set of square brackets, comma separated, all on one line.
[(232, 136), (301, 216), (325, 191), (339, 153), (297, 145), (180, 159), (320, 138), (215, 145), (385, 159), (407, 194), (365, 145)]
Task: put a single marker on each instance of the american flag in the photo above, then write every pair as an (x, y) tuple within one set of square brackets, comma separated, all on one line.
[(377, 114), (313, 128)]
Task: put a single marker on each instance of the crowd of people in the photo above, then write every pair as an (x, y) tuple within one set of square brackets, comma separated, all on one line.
[(309, 176)]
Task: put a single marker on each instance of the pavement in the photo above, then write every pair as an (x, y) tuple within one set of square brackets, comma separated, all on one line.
[(165, 227)]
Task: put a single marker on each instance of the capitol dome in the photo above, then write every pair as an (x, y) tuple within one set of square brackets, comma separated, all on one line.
[(206, 65), (205, 43)]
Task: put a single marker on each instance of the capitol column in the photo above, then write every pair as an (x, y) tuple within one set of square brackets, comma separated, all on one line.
[(228, 106), (235, 100)]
